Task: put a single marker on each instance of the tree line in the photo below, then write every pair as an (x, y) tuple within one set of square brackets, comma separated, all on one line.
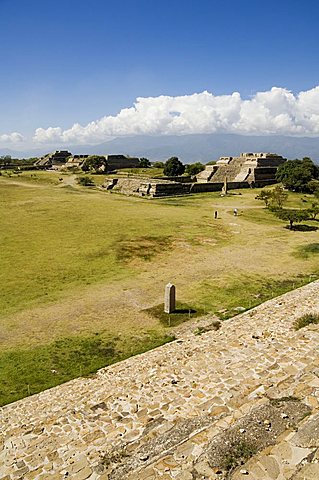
[(297, 176)]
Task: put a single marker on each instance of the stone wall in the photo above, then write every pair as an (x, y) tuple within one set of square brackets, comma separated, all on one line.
[(206, 187), (141, 186), (55, 159), (115, 162), (178, 411), (179, 178)]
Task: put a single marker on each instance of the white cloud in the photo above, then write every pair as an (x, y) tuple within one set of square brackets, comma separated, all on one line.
[(13, 137), (49, 135), (277, 111)]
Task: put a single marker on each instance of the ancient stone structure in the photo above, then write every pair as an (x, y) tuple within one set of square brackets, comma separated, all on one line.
[(115, 162), (257, 169), (157, 187), (53, 160), (141, 186), (185, 411), (169, 298), (64, 159), (75, 161), (247, 170)]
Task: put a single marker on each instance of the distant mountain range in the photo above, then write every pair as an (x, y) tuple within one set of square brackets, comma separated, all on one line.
[(190, 148)]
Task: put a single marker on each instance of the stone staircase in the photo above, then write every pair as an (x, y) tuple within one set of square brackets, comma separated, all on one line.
[(231, 171), (243, 175), (205, 175), (240, 402)]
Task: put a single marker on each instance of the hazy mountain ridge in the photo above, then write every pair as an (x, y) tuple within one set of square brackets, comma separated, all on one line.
[(190, 148)]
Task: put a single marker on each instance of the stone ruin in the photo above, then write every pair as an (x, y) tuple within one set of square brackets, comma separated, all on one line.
[(121, 161), (249, 169), (53, 160), (75, 161), (146, 187), (62, 159)]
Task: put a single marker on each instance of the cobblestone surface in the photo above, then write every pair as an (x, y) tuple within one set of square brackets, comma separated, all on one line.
[(156, 415)]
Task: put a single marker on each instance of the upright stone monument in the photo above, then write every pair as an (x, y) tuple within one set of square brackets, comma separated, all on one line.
[(169, 300), (224, 188)]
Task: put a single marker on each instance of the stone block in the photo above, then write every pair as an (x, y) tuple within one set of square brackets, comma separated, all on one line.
[(169, 299)]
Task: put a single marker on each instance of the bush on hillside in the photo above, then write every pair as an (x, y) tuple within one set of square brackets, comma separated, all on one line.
[(85, 181)]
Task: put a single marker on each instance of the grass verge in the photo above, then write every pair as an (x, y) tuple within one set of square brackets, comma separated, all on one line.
[(24, 372), (228, 298)]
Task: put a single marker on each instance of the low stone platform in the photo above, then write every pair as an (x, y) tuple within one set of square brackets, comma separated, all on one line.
[(191, 409)]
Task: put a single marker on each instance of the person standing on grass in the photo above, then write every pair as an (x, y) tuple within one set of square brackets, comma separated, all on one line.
[(235, 212), (216, 214)]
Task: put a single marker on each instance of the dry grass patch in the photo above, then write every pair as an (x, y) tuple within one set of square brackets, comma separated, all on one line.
[(142, 248), (305, 320)]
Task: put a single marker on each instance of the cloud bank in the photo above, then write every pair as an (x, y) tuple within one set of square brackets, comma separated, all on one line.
[(277, 111), (13, 138)]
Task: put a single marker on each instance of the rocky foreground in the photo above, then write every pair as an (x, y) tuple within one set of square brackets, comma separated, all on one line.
[(239, 403)]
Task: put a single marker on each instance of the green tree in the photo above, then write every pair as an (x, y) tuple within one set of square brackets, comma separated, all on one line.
[(93, 163), (194, 168), (173, 167), (265, 196), (292, 216), (296, 174), (278, 198), (313, 211), (313, 187), (144, 162), (5, 160), (158, 164)]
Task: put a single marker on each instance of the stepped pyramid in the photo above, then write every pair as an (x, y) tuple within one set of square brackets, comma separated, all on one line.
[(257, 169)]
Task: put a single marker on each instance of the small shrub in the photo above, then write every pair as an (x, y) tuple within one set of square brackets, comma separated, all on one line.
[(306, 320), (85, 181), (238, 455)]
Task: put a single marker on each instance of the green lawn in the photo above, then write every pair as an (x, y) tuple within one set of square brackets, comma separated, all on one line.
[(25, 371), (83, 271)]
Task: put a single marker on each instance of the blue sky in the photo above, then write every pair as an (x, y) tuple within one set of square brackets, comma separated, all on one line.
[(75, 62)]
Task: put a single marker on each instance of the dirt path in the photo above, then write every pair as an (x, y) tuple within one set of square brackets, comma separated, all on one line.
[(69, 180)]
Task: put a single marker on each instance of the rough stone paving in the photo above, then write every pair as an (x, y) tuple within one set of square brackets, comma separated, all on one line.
[(172, 413)]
